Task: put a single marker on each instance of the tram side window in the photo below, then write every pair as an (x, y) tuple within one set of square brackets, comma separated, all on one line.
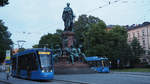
[(27, 62), (32, 63), (13, 63), (106, 63), (20, 62), (24, 62)]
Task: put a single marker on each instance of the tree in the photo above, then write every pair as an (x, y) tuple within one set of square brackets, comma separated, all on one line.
[(5, 40), (137, 50), (81, 26), (118, 46), (112, 44), (3, 3), (35, 46), (94, 40), (51, 40)]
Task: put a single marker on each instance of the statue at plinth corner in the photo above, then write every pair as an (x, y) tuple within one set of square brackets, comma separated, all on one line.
[(68, 18)]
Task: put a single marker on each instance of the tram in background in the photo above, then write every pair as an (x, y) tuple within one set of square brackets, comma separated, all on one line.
[(98, 64), (34, 64)]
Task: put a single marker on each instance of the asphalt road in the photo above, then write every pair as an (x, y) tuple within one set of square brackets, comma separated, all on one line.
[(99, 78)]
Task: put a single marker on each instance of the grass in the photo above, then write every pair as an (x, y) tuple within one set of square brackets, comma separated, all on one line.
[(132, 70)]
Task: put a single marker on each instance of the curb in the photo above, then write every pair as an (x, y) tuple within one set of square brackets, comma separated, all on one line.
[(5, 82), (130, 73)]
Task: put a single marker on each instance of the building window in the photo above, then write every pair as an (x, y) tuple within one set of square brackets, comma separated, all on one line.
[(133, 34), (138, 34), (143, 42), (143, 32)]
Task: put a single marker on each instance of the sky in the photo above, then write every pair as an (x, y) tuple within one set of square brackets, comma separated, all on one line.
[(30, 19)]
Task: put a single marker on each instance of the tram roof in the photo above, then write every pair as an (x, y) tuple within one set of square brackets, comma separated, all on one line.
[(30, 51), (95, 58)]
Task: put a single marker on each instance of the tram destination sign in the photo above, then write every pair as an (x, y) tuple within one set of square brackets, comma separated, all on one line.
[(44, 53)]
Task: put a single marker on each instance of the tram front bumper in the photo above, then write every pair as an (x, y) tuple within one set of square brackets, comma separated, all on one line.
[(43, 76)]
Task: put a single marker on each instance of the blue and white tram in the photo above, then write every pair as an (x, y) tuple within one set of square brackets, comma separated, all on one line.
[(34, 64), (98, 64)]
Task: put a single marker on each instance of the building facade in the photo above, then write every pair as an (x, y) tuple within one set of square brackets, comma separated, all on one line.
[(142, 33)]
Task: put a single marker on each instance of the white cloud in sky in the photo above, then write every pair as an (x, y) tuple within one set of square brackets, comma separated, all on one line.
[(38, 17)]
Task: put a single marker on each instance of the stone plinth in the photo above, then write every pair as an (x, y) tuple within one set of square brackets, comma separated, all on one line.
[(77, 68), (68, 39)]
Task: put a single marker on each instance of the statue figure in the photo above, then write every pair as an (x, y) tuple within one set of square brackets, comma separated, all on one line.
[(68, 17), (57, 53), (81, 54)]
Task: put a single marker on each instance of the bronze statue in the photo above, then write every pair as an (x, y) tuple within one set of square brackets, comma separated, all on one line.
[(68, 18)]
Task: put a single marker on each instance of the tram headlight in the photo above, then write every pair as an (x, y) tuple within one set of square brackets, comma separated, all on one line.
[(43, 71)]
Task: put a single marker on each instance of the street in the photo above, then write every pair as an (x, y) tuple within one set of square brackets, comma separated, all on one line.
[(99, 78)]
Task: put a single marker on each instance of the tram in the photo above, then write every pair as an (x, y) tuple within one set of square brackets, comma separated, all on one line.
[(98, 64), (34, 64)]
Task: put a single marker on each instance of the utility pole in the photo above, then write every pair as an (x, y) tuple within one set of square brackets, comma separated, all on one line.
[(20, 43)]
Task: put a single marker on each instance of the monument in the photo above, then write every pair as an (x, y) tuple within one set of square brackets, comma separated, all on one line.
[(71, 58), (68, 34)]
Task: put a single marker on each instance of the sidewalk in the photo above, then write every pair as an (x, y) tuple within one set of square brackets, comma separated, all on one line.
[(11, 79), (3, 78), (134, 73)]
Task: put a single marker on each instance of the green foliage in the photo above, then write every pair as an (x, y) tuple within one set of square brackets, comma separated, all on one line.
[(5, 40), (51, 40), (112, 44), (35, 46), (133, 70), (94, 40), (91, 32), (81, 26), (137, 50), (3, 2), (118, 46)]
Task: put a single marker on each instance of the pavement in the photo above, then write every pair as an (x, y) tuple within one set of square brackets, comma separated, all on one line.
[(96, 78), (134, 73)]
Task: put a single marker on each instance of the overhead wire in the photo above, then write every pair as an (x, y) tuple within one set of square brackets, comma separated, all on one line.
[(105, 5), (109, 2)]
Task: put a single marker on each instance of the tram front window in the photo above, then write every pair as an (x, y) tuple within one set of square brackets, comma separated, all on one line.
[(45, 62), (105, 63)]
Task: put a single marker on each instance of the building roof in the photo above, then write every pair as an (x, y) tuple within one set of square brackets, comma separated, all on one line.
[(137, 26)]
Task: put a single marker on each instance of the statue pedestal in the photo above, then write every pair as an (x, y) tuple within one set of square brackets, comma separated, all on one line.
[(76, 68), (65, 65), (68, 39)]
